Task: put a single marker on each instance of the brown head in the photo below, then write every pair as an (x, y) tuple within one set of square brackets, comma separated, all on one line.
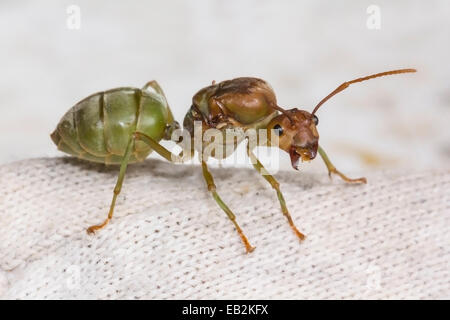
[(297, 134), (296, 129)]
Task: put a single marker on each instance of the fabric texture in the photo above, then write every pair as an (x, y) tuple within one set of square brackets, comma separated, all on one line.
[(169, 239)]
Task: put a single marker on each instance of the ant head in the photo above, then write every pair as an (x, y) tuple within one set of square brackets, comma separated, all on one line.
[(297, 128), (297, 134)]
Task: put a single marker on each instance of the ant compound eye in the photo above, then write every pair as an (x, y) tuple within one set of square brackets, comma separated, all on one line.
[(278, 129), (316, 120)]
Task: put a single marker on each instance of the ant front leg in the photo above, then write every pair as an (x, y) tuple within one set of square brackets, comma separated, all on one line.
[(275, 185), (332, 169)]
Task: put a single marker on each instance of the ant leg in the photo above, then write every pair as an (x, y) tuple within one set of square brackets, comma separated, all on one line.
[(274, 183), (118, 187), (212, 188), (123, 167), (163, 152), (157, 88), (207, 175), (332, 169)]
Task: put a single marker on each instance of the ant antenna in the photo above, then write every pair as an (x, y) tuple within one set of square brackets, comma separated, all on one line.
[(285, 112), (346, 84)]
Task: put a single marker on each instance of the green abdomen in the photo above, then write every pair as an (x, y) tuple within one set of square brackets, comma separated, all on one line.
[(99, 127)]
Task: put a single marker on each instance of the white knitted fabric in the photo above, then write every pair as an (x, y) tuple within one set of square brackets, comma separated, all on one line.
[(169, 239)]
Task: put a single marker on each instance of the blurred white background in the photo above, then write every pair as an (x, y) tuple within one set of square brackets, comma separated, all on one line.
[(304, 49)]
